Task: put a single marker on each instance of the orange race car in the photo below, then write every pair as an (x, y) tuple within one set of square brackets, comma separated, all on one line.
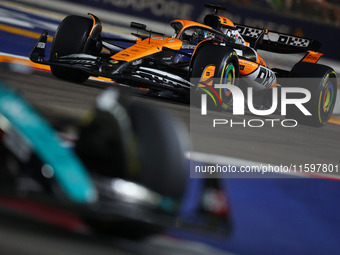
[(167, 65)]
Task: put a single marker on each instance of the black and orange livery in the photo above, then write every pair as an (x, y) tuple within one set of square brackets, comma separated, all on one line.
[(158, 62)]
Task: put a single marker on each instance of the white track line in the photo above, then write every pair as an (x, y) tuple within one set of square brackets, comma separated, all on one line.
[(13, 55)]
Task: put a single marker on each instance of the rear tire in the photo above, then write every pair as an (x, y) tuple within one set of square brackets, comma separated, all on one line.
[(70, 38), (223, 63), (323, 89)]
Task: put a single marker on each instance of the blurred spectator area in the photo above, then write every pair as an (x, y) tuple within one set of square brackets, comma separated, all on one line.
[(323, 11), (327, 11)]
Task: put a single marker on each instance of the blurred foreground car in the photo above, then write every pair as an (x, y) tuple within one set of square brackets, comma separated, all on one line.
[(126, 173)]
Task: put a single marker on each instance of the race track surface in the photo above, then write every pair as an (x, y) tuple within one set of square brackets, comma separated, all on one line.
[(25, 236), (278, 145)]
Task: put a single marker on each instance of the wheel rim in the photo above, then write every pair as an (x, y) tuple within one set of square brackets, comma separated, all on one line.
[(206, 84), (220, 97), (228, 77), (326, 100)]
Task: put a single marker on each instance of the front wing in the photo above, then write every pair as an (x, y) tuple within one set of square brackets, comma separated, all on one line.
[(131, 73)]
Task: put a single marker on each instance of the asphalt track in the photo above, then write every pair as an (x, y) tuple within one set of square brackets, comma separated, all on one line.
[(20, 235), (278, 145)]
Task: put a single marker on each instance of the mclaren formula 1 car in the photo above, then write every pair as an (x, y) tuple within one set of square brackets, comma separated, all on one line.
[(216, 49)]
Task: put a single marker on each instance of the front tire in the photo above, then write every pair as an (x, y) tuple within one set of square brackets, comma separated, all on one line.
[(322, 84), (219, 63), (70, 38)]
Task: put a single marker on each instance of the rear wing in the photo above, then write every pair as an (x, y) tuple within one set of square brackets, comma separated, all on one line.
[(277, 42)]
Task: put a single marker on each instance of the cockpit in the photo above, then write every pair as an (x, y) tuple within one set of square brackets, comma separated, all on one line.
[(194, 33)]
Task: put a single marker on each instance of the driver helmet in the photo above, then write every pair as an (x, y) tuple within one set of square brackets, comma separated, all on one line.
[(200, 35)]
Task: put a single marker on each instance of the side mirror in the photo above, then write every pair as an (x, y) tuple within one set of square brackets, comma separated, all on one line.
[(138, 25)]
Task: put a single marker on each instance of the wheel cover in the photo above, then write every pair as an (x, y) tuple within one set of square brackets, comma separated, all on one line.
[(326, 100), (220, 97), (228, 77), (206, 84)]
